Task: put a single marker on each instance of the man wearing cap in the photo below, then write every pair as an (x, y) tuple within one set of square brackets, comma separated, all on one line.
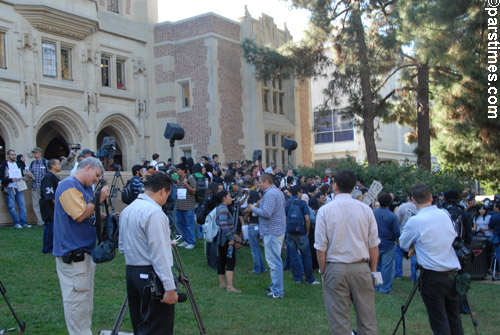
[(38, 168), (328, 176), (84, 154)]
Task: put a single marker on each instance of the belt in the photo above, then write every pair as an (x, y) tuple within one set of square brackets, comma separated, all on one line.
[(361, 261), (448, 273)]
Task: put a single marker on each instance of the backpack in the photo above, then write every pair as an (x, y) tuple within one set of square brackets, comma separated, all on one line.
[(210, 228), (202, 211), (295, 219), (128, 193), (456, 217), (201, 186), (464, 254), (107, 240)]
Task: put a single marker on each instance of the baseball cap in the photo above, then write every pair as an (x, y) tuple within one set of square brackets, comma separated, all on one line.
[(36, 149), (87, 152)]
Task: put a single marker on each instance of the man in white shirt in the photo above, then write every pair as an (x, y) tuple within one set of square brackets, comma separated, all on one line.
[(155, 161), (431, 233), (145, 241)]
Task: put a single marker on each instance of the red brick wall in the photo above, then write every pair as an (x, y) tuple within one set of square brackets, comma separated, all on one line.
[(231, 95), (190, 59)]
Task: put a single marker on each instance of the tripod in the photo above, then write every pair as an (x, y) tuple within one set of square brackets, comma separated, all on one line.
[(404, 308), (22, 326), (114, 187)]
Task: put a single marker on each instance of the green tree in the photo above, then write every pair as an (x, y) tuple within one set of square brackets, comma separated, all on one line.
[(364, 55)]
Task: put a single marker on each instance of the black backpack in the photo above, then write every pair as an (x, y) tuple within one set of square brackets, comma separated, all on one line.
[(107, 238), (295, 219), (464, 254), (128, 194), (201, 188)]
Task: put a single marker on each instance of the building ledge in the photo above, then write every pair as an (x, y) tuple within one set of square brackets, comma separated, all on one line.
[(58, 22)]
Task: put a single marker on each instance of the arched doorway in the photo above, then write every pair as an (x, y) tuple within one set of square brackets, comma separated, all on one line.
[(52, 139)]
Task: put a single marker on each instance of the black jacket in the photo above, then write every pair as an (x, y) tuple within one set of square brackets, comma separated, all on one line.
[(4, 174)]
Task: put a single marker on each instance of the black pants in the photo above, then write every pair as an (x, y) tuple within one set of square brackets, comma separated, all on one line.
[(160, 319), (441, 300), (223, 263)]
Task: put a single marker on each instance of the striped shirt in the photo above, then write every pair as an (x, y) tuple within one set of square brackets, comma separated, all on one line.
[(346, 229), (38, 169), (188, 203), (226, 224), (271, 212)]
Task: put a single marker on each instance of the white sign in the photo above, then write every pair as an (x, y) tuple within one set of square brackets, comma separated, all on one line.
[(15, 173), (181, 193), (372, 193)]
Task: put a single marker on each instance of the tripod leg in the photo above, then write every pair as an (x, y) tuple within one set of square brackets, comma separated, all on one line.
[(119, 319), (404, 308), (22, 325), (472, 314)]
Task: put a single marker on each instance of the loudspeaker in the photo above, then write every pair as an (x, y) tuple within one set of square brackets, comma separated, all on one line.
[(289, 144), (174, 131), (257, 155)]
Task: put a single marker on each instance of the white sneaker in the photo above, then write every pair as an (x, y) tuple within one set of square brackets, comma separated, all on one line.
[(315, 283), (18, 226), (189, 246), (183, 244)]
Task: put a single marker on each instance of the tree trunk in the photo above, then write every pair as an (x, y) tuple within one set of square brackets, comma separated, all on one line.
[(364, 73), (423, 123)]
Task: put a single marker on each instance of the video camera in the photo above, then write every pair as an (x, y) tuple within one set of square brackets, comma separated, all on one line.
[(75, 146), (108, 148)]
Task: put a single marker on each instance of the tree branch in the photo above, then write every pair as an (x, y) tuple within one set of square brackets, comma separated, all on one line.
[(442, 69), (393, 72)]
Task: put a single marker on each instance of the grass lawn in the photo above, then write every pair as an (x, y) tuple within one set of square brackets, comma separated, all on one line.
[(33, 289)]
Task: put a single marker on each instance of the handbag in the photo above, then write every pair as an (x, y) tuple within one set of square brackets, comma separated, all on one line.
[(494, 239), (21, 185)]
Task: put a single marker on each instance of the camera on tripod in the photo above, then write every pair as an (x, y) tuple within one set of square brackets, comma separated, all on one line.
[(108, 148)]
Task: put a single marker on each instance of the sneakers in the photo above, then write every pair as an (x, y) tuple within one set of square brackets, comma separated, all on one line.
[(274, 296), (189, 246), (25, 225), (182, 245), (315, 283), (268, 289), (18, 226)]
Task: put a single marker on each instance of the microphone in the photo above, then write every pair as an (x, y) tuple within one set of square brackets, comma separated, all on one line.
[(181, 297)]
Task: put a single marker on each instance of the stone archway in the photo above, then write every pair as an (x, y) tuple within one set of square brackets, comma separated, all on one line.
[(126, 136), (58, 127), (11, 128)]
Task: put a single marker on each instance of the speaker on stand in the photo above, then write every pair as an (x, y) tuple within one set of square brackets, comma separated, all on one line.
[(173, 132), (290, 145)]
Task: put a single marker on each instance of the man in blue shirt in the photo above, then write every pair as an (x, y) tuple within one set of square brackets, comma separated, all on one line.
[(431, 233), (388, 232), (74, 240), (272, 225), (296, 237)]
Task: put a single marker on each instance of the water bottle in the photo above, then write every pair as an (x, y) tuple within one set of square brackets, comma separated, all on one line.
[(230, 251)]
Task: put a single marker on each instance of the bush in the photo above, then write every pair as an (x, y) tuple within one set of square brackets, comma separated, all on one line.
[(392, 175)]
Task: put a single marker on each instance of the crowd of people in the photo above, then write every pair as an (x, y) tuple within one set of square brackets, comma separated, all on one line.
[(321, 221)]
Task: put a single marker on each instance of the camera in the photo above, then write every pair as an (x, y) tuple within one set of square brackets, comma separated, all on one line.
[(75, 146), (155, 286), (464, 254), (108, 148)]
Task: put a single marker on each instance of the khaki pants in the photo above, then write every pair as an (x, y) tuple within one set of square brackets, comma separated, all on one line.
[(35, 198), (343, 283), (77, 288)]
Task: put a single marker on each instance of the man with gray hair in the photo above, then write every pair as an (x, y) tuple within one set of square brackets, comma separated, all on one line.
[(74, 240)]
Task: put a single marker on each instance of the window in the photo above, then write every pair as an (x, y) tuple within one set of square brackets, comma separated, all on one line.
[(265, 97), (278, 97), (49, 63), (105, 71), (3, 62), (66, 63), (113, 6), (330, 126), (120, 74), (186, 99), (186, 152)]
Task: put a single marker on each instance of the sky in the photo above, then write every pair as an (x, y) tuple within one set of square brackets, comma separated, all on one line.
[(296, 20)]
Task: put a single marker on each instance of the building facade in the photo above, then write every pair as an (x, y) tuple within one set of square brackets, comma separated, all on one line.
[(78, 71)]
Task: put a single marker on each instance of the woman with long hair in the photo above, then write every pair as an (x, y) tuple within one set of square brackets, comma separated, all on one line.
[(481, 221), (227, 253)]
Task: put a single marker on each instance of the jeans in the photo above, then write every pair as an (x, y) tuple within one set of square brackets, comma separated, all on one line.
[(13, 197), (399, 264), (441, 301), (386, 266), (185, 220), (48, 237), (272, 247), (258, 259), (300, 243)]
